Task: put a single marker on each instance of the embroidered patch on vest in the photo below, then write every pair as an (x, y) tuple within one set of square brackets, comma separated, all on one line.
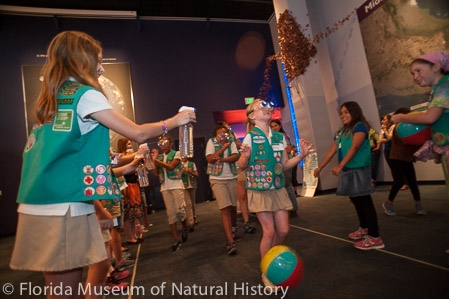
[(88, 169), (30, 142), (68, 101), (63, 120), (70, 88), (101, 179), (100, 169), (89, 191), (258, 139), (101, 190), (88, 180)]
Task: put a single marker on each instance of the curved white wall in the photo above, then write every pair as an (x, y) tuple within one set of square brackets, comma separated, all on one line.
[(337, 74)]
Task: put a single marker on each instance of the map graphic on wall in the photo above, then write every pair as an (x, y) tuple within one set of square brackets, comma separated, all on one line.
[(395, 34), (116, 83)]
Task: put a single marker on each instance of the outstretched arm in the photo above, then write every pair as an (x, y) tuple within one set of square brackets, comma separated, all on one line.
[(332, 151), (425, 118), (141, 133), (304, 151)]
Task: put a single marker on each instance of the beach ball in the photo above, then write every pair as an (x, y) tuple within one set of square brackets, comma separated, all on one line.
[(413, 133), (282, 266)]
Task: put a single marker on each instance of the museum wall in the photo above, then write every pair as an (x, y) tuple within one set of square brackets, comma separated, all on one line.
[(338, 73), (352, 75)]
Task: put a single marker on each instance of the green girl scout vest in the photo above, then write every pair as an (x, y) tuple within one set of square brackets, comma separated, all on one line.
[(264, 172), (361, 159), (174, 174), (186, 177), (215, 169), (59, 164), (440, 129)]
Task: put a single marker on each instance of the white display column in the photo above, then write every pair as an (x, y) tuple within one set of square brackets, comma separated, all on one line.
[(314, 114)]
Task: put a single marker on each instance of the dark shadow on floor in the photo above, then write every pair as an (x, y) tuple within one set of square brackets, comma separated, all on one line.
[(412, 265)]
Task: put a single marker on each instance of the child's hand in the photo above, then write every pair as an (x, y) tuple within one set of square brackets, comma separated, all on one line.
[(245, 150), (397, 118), (336, 170), (154, 154), (305, 147), (185, 117), (143, 148), (106, 224)]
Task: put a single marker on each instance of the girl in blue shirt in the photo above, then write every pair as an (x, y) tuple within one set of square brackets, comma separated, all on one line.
[(354, 173)]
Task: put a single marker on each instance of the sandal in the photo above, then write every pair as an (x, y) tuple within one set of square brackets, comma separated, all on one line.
[(138, 241), (231, 250)]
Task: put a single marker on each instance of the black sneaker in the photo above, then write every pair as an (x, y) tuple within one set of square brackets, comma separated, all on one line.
[(176, 246), (184, 236), (249, 229)]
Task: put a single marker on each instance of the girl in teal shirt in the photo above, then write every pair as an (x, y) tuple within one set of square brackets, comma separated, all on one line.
[(354, 173)]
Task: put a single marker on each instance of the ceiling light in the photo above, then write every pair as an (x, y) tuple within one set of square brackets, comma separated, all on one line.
[(76, 13)]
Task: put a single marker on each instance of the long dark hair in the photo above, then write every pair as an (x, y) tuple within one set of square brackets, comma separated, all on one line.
[(275, 120), (356, 116)]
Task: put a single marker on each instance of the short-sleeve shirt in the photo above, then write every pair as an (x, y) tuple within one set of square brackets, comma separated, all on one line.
[(226, 173), (169, 184)]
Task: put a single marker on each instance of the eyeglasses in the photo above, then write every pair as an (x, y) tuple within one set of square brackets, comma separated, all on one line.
[(162, 142), (269, 106), (224, 137)]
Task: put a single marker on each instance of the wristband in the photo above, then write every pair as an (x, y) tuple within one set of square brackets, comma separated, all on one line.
[(164, 128)]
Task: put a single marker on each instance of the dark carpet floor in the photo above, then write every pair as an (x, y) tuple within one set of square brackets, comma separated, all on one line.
[(412, 265)]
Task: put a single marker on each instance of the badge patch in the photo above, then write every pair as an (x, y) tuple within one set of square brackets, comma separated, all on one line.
[(278, 168), (30, 142), (278, 147), (88, 180), (101, 179), (63, 120), (101, 190), (88, 169), (100, 169), (89, 191), (68, 101), (258, 139)]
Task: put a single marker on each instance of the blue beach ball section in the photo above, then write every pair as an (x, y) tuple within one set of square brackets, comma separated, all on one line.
[(282, 266), (413, 133)]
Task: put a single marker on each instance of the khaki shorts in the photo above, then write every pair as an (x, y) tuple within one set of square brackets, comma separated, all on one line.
[(269, 200), (174, 205), (225, 192), (115, 210), (106, 234), (241, 176), (57, 243)]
